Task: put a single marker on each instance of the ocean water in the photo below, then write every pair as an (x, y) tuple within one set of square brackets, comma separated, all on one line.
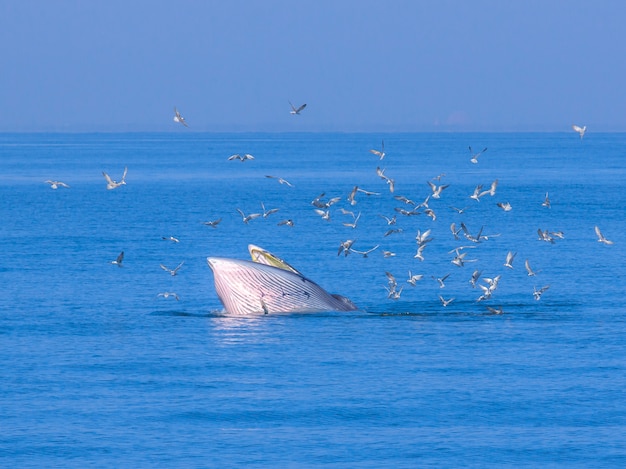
[(100, 371)]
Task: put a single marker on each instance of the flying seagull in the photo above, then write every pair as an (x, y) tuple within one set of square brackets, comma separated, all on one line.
[(167, 294), (296, 110), (174, 271), (280, 180), (111, 184), (179, 118), (476, 155), (56, 184), (601, 238), (380, 153), (241, 158)]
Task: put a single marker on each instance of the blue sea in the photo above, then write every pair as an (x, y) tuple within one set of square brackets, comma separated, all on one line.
[(98, 370)]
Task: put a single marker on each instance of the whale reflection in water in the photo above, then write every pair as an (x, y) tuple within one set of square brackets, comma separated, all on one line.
[(267, 284)]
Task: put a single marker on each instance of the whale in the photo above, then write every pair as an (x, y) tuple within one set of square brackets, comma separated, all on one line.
[(267, 285)]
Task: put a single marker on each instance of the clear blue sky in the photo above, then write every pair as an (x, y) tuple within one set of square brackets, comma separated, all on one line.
[(360, 65)]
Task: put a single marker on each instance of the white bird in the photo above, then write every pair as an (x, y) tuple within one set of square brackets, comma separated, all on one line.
[(325, 214), (476, 155), (345, 247), (267, 213), (353, 224), (581, 130), (509, 259), (288, 222), (445, 302), (537, 293), (167, 294), (296, 111), (387, 254), (475, 276), (546, 201), (119, 259), (213, 223), (437, 189), (247, 218), (280, 180), (601, 238), (531, 272), (174, 271), (441, 280), (505, 206), (179, 118), (111, 184), (56, 184), (390, 221), (365, 253), (242, 158), (381, 153), (170, 238), (413, 279)]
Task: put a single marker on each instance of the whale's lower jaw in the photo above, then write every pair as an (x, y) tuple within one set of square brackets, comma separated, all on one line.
[(246, 287)]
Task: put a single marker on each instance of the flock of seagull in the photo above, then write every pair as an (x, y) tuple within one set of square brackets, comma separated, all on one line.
[(322, 207)]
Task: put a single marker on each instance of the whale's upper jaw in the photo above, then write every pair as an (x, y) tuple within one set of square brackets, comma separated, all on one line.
[(246, 287)]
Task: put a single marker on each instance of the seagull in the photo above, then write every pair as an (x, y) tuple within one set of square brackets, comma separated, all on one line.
[(475, 277), (179, 118), (170, 238), (492, 190), (441, 280), (381, 153), (365, 253), (537, 293), (172, 271), (420, 252), (387, 254), (247, 218), (388, 180), (422, 238), (56, 184), (237, 156), (402, 198), (288, 222), (477, 193), (391, 280), (455, 232), (601, 238), (413, 279), (118, 261), (267, 213), (213, 223), (546, 201), (390, 221), (437, 189), (167, 294), (394, 294), (296, 111), (111, 184), (509, 259), (531, 272), (445, 302), (581, 130), (353, 224), (505, 206), (392, 231), (345, 247), (280, 180), (495, 310), (476, 155), (325, 214)]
